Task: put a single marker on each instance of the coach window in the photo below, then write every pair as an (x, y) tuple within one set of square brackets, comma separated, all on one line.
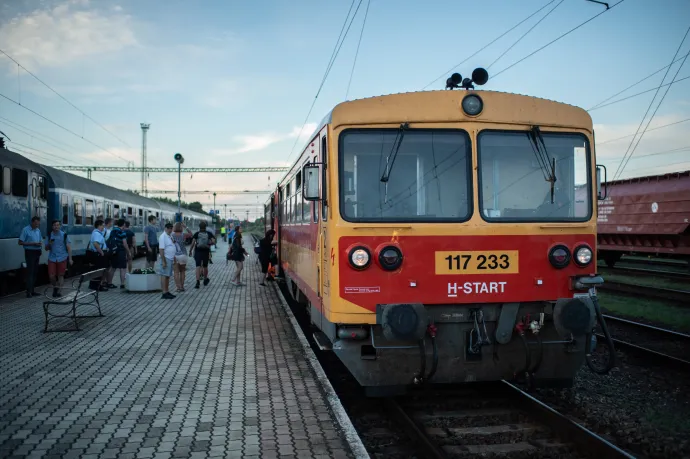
[(99, 208), (141, 216), (324, 188), (116, 211), (64, 203), (6, 180), (20, 182), (88, 213), (288, 198), (78, 211)]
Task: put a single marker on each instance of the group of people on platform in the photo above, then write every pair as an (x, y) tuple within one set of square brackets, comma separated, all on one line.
[(112, 247)]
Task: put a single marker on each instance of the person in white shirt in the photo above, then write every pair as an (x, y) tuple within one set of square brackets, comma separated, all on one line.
[(167, 251)]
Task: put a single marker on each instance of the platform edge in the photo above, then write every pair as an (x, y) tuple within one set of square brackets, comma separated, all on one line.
[(351, 436)]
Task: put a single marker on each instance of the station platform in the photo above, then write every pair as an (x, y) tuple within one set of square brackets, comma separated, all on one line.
[(222, 371)]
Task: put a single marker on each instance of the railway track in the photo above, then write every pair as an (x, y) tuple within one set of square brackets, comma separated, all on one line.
[(681, 297), (505, 422), (665, 274), (660, 345)]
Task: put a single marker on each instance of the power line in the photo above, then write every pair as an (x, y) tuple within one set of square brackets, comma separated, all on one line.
[(14, 124), (525, 34), (447, 72), (62, 127), (653, 129), (557, 38), (33, 136), (638, 94), (646, 155), (65, 99), (629, 152), (334, 56), (633, 85), (352, 72)]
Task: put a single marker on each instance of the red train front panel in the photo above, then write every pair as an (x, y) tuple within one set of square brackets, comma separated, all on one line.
[(461, 269)]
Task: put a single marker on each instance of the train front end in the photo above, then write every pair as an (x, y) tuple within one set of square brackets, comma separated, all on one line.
[(461, 246)]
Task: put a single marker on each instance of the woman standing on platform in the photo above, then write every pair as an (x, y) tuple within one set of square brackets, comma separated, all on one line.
[(95, 254), (237, 254), (265, 249), (180, 257)]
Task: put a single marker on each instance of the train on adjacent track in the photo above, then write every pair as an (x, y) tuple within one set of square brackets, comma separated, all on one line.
[(29, 189), (648, 216), (445, 236)]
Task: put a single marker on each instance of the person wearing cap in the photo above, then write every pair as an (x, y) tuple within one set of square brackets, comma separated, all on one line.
[(167, 250)]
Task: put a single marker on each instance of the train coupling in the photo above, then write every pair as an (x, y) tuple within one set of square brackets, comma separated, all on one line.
[(588, 282)]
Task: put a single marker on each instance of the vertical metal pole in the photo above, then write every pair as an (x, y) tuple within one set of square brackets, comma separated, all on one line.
[(179, 193)]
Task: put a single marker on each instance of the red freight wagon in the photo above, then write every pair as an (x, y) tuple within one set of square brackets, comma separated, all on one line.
[(645, 215)]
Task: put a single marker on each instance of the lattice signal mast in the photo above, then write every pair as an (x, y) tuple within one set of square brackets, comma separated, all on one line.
[(144, 131)]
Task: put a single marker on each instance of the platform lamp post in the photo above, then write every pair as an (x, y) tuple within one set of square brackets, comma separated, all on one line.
[(215, 213), (180, 159)]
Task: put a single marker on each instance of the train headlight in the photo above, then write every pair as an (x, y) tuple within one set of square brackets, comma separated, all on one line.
[(472, 105), (559, 256), (359, 257), (583, 255), (390, 258)]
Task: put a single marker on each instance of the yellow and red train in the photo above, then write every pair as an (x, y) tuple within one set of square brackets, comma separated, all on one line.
[(446, 236)]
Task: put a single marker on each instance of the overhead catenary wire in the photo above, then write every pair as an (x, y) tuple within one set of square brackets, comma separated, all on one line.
[(594, 107), (525, 34), (628, 151), (64, 98), (648, 130), (448, 72), (36, 136), (637, 94), (359, 42), (556, 39), (62, 127), (334, 56)]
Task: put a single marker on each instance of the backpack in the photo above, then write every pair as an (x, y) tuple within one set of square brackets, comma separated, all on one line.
[(114, 241), (202, 240)]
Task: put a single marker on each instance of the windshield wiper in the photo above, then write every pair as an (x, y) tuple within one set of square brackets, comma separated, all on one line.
[(390, 160), (546, 163)]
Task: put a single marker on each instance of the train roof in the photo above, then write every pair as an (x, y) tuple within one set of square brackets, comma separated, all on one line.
[(10, 158), (62, 179)]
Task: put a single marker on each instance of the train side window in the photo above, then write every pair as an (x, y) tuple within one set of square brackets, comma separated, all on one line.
[(324, 184), (99, 208), (43, 189), (314, 205), (130, 212), (88, 212), (141, 216), (64, 203), (116, 211), (6, 180), (109, 210), (20, 182), (78, 212)]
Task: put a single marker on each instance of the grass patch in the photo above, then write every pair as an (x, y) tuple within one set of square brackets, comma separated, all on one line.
[(647, 281), (649, 309)]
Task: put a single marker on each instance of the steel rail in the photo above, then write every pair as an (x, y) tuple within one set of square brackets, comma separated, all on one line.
[(679, 296), (428, 449), (647, 272), (673, 333), (666, 359), (582, 438)]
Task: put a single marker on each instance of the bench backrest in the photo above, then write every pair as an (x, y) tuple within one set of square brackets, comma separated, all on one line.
[(87, 277)]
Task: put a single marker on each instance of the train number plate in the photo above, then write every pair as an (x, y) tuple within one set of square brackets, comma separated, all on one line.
[(477, 262)]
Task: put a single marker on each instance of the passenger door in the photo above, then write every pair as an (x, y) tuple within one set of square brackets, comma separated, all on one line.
[(322, 250), (39, 204)]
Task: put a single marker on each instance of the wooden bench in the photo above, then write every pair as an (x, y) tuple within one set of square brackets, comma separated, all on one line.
[(80, 295)]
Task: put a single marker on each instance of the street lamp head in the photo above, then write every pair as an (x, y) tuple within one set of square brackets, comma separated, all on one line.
[(179, 158)]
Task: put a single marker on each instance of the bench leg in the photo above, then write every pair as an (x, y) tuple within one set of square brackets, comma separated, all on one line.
[(45, 311), (74, 315)]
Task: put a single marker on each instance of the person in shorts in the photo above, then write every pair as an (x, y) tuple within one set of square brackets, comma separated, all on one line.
[(60, 248), (180, 256), (201, 247), (237, 254), (119, 252), (151, 241), (167, 252), (131, 242)]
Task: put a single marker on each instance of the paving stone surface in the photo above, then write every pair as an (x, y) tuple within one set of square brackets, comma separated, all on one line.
[(215, 372)]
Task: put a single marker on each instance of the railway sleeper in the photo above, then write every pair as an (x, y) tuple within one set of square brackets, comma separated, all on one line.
[(532, 449)]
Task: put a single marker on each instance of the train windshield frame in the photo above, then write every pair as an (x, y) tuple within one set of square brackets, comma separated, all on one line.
[(438, 159), (513, 185)]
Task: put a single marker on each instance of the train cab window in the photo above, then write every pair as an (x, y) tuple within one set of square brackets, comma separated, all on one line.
[(20, 182), (78, 212), (512, 177), (64, 204), (428, 179), (6, 180), (88, 212)]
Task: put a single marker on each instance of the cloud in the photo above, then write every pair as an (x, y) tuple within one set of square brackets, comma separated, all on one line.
[(256, 142), (66, 33)]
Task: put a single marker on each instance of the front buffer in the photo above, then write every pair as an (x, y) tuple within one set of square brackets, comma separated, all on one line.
[(465, 309)]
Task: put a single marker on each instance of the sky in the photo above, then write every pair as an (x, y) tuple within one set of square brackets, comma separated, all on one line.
[(229, 83)]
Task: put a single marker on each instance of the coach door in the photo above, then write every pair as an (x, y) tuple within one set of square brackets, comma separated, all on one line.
[(39, 204), (323, 266)]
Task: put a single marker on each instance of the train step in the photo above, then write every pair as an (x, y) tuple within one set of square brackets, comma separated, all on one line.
[(322, 341)]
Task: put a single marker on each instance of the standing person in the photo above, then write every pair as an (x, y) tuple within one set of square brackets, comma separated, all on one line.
[(237, 254), (31, 240), (223, 232), (167, 250), (132, 243), (95, 253), (151, 241), (180, 256), (109, 252), (201, 246), (60, 248), (119, 249), (265, 249)]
